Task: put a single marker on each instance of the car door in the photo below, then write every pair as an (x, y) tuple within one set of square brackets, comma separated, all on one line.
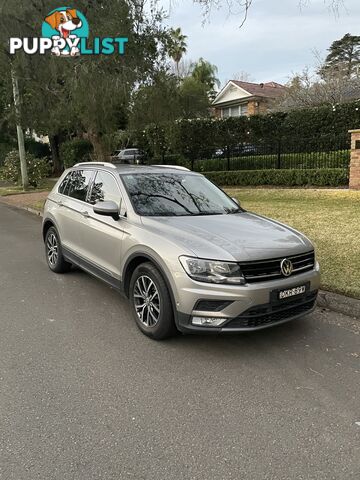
[(73, 193), (101, 236)]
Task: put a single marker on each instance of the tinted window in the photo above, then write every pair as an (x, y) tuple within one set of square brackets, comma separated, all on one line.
[(62, 185), (171, 194), (105, 188), (79, 183)]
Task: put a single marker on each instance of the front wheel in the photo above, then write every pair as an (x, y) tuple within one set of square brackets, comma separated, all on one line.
[(151, 303), (54, 255)]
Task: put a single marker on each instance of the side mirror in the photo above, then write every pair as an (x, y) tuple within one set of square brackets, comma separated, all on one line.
[(108, 209), (236, 201)]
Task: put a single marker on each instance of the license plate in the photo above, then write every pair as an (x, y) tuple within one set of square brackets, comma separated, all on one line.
[(292, 292)]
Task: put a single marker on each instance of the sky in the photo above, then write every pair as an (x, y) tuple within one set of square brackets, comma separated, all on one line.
[(277, 40)]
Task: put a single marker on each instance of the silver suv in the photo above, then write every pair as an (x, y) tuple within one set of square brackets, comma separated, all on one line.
[(187, 256)]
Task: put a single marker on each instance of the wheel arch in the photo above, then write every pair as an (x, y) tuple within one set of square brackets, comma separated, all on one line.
[(137, 259), (46, 225)]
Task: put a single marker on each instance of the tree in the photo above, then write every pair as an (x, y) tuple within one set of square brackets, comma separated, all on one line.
[(242, 7), (242, 76), (306, 90), (155, 103), (194, 99), (183, 69), (88, 95), (343, 57), (7, 131), (19, 127), (167, 99), (177, 46), (205, 73)]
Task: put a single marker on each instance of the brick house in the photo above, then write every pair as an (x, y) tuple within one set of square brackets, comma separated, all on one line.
[(244, 98)]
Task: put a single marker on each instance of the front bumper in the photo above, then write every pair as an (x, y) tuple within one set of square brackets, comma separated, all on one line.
[(248, 307)]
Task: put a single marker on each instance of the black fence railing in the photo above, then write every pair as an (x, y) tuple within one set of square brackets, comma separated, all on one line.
[(310, 153)]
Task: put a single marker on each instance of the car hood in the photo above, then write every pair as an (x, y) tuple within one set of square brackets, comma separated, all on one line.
[(242, 237)]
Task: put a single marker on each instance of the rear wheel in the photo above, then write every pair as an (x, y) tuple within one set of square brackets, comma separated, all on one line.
[(54, 255), (151, 303)]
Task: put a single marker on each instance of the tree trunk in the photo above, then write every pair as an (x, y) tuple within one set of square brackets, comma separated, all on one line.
[(58, 166), (20, 133), (101, 153)]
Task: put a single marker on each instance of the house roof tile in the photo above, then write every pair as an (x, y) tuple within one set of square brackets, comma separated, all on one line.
[(269, 89)]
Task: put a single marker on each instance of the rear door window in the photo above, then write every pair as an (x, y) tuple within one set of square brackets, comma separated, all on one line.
[(79, 183)]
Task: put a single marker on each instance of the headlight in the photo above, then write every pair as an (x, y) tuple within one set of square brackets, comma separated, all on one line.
[(212, 271)]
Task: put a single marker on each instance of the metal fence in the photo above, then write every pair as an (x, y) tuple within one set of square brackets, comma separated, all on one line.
[(309, 153)]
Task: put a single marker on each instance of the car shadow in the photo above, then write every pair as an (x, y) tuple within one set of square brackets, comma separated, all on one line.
[(282, 336)]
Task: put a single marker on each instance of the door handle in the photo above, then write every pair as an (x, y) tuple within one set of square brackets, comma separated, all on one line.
[(60, 203), (85, 214)]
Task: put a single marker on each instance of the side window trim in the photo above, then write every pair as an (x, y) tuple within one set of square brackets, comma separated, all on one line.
[(66, 180), (68, 184), (90, 186)]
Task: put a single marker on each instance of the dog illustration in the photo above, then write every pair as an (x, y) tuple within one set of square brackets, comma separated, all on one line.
[(65, 22)]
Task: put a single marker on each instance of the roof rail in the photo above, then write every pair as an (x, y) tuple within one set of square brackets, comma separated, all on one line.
[(103, 164), (179, 167)]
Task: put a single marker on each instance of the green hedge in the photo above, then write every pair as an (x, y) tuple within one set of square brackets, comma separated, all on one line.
[(326, 177), (75, 151), (309, 129)]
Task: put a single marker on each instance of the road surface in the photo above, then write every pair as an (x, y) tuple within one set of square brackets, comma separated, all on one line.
[(84, 395)]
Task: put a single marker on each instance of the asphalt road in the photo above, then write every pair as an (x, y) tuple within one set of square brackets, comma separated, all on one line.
[(84, 395)]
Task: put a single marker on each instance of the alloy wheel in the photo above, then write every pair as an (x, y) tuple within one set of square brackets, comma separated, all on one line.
[(52, 249), (146, 301)]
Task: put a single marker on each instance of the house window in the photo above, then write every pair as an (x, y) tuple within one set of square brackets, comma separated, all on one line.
[(230, 112), (243, 109), (237, 111), (225, 112)]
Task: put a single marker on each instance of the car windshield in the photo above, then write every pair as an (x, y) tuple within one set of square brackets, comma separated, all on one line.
[(174, 194)]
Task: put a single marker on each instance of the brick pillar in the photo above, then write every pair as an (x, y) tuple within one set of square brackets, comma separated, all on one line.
[(354, 183)]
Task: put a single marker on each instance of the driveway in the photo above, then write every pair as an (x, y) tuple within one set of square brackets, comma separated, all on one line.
[(84, 395)]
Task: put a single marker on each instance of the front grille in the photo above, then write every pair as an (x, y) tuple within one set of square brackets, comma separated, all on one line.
[(262, 270), (272, 313)]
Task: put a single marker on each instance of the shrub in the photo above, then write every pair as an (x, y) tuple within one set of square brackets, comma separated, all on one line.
[(75, 151), (5, 148), (37, 149), (38, 168), (171, 159), (326, 177)]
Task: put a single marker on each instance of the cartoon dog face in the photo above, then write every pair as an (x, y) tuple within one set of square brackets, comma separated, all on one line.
[(64, 21)]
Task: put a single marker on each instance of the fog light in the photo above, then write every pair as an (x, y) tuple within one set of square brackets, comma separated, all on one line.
[(208, 321)]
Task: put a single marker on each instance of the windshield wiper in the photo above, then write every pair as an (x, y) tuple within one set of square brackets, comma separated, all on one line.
[(206, 213), (235, 210)]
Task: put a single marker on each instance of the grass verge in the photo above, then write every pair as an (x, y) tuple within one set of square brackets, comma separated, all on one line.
[(46, 185), (330, 218)]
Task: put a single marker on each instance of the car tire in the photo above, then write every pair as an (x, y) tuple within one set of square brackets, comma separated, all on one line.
[(151, 303), (54, 256)]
